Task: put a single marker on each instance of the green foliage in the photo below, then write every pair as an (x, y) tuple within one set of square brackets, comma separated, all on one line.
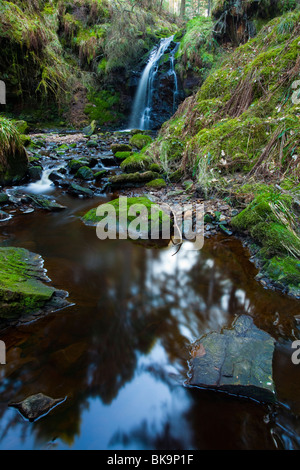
[(103, 107), (198, 49)]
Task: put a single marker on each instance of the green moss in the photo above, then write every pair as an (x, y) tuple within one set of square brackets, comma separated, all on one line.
[(156, 184), (20, 289), (116, 148), (284, 270), (103, 107), (140, 141), (132, 179), (121, 210), (136, 162), (270, 222), (85, 173), (122, 155)]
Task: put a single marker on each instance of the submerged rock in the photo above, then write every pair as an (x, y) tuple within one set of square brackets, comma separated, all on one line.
[(36, 406), (238, 360), (44, 202)]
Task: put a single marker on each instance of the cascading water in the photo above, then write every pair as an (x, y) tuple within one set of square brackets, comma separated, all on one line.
[(142, 106)]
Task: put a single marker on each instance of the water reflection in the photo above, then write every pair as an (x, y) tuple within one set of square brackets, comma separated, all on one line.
[(120, 353)]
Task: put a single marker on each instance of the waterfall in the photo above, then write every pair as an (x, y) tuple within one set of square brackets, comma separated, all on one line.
[(142, 106)]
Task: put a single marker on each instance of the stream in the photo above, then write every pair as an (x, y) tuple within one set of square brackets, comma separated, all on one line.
[(119, 353)]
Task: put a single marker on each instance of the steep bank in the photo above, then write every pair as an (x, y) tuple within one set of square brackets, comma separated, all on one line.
[(238, 138)]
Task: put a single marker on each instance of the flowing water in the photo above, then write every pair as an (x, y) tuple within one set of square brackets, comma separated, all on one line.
[(119, 353), (142, 106)]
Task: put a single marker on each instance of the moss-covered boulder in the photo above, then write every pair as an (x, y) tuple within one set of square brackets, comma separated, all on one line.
[(158, 183), (132, 179), (115, 148), (136, 162), (122, 155), (13, 156), (75, 165), (22, 284), (85, 173), (140, 141), (136, 217)]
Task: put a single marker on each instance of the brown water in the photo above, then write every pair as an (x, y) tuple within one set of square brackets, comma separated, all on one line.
[(119, 353)]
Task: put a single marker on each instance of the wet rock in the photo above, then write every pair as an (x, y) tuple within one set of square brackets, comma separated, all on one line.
[(45, 202), (99, 175), (238, 360), (3, 198), (132, 179), (55, 177), (35, 173), (74, 165), (108, 161), (36, 406), (23, 286), (120, 148), (90, 130), (80, 191), (85, 173)]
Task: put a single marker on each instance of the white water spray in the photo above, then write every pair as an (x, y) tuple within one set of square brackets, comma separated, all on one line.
[(142, 106)]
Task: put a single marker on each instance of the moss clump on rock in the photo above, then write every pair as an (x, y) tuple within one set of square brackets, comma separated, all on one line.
[(140, 141), (122, 155), (124, 211), (136, 162), (85, 173), (132, 179), (115, 148), (270, 222), (21, 290), (158, 183)]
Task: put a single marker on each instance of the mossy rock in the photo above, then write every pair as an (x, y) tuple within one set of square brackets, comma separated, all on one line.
[(115, 148), (85, 173), (132, 179), (21, 126), (21, 290), (158, 183), (35, 173), (122, 155), (123, 212), (136, 162), (285, 271), (99, 175), (75, 165), (140, 141), (266, 219)]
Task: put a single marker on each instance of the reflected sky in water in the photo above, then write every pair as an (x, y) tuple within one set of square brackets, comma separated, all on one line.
[(120, 353)]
